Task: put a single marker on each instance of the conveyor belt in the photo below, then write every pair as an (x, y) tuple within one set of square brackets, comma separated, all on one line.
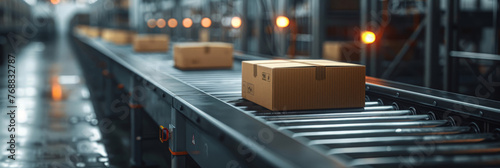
[(376, 132), (377, 135)]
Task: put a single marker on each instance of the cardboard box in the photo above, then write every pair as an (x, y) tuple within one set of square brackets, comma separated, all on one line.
[(119, 37), (341, 51), (107, 34), (151, 43), (93, 32), (203, 55), (81, 29), (204, 35), (122, 37), (125, 4), (284, 85)]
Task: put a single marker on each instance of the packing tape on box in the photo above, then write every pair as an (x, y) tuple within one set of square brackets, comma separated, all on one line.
[(207, 49), (255, 70), (320, 72)]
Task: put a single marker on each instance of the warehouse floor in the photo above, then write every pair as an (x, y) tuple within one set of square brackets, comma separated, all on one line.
[(55, 123)]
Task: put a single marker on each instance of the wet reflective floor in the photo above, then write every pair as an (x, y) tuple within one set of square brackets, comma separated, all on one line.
[(55, 122)]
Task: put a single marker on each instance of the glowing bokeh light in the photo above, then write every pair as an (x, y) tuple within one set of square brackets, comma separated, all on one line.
[(187, 22), (236, 22), (161, 23), (151, 23), (282, 21), (368, 37), (172, 23), (55, 2), (206, 22)]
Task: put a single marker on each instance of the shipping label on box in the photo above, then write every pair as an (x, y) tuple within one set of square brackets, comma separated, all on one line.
[(203, 55), (282, 85)]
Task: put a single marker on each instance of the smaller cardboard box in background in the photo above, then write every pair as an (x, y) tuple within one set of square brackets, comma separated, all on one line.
[(124, 4), (283, 85), (93, 32), (204, 35), (117, 36), (151, 43), (203, 55), (122, 37), (107, 34), (81, 29), (341, 51)]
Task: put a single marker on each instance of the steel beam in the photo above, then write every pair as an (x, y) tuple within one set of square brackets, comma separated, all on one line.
[(496, 21), (178, 141), (373, 47), (135, 131), (431, 61), (365, 5), (245, 26), (317, 27)]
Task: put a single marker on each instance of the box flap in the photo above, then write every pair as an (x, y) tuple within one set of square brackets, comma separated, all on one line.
[(319, 64), (265, 61), (285, 65), (202, 44), (327, 63)]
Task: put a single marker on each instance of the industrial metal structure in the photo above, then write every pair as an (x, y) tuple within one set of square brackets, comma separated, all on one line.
[(432, 82), (207, 119)]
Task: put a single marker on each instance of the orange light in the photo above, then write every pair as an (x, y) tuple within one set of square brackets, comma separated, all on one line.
[(151, 23), (161, 23), (56, 92), (187, 22), (55, 2), (236, 22), (282, 21), (368, 37), (172, 23), (206, 22)]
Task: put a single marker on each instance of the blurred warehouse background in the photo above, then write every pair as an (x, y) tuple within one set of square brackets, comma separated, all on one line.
[(445, 48), (411, 36), (410, 44)]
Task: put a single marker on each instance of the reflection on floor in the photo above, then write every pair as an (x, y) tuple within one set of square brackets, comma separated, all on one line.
[(56, 125)]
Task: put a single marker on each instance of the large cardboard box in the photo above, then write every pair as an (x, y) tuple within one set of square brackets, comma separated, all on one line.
[(283, 85), (203, 55), (341, 51), (151, 43)]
